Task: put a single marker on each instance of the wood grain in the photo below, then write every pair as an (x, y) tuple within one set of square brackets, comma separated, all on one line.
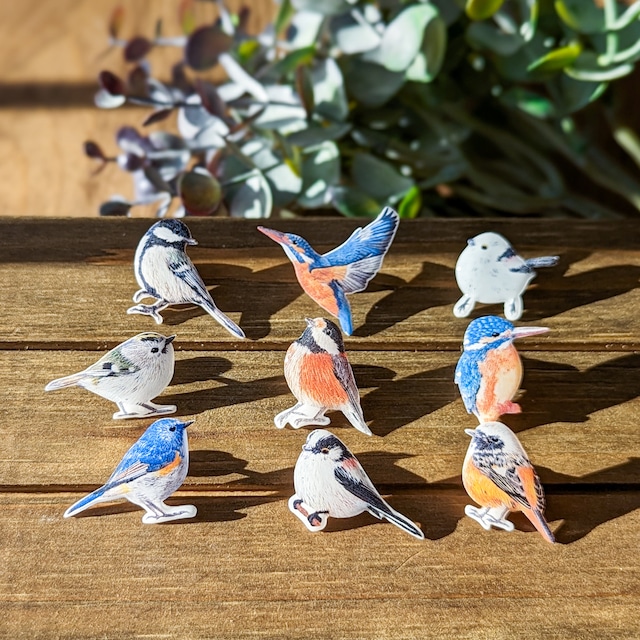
[(245, 567)]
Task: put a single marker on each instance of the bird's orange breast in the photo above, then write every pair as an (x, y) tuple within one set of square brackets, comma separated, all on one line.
[(482, 490), (316, 284), (318, 381)]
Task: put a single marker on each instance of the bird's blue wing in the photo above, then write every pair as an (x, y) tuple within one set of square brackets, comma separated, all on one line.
[(185, 270), (468, 377), (361, 490), (145, 456), (362, 253)]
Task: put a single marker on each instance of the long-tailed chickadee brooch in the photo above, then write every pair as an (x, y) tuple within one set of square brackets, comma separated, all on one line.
[(154, 467), (165, 272), (489, 271), (498, 476), (330, 482), (320, 377), (328, 278), (130, 375), (489, 371)]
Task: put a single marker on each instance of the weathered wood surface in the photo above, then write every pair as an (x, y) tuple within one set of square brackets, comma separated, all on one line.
[(245, 567)]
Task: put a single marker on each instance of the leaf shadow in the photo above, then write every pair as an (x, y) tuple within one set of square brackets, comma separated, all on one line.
[(429, 288)]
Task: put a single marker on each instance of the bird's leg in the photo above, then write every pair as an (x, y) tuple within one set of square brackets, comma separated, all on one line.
[(141, 294), (313, 520), (143, 410), (490, 517), (160, 512), (510, 407), (513, 308), (152, 310), (153, 409), (302, 415), (464, 306)]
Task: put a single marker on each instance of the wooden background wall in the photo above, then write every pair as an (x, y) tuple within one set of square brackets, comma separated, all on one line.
[(50, 56)]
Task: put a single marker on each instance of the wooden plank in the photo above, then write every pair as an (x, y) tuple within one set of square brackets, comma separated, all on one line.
[(247, 568), (66, 269), (67, 438)]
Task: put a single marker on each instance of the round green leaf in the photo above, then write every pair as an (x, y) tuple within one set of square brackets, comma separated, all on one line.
[(320, 173), (353, 203), (482, 9), (370, 83), (581, 15), (250, 198), (378, 178), (200, 192), (557, 59), (427, 63)]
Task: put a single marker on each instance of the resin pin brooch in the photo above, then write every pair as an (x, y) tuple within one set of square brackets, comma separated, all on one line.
[(330, 482), (154, 467), (320, 377), (347, 269), (130, 375), (165, 272), (489, 271), (498, 476), (489, 371)]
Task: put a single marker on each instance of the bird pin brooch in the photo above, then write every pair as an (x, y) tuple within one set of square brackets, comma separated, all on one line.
[(165, 272), (498, 476), (489, 371), (154, 467), (330, 482), (330, 277), (130, 375), (489, 271), (320, 377)]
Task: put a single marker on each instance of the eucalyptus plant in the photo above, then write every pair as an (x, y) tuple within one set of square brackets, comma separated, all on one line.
[(440, 107)]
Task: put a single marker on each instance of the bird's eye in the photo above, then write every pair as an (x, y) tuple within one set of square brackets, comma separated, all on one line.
[(172, 428), (495, 334), (154, 350), (484, 247), (324, 450)]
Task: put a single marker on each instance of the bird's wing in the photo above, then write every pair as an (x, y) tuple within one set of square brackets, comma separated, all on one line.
[(111, 364), (344, 373), (516, 477), (467, 377), (344, 308), (362, 253), (147, 455), (182, 267), (359, 488)]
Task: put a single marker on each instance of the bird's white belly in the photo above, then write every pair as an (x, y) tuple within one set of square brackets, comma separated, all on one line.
[(156, 272), (490, 282)]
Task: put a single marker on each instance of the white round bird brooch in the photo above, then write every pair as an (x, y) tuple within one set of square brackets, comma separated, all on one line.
[(498, 475), (320, 377), (130, 375), (330, 482), (165, 273), (489, 271), (153, 468)]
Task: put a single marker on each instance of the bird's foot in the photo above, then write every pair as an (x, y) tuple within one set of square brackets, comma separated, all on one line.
[(302, 416), (313, 520), (147, 310), (464, 306), (513, 309), (490, 517), (509, 408), (128, 411), (169, 513), (141, 294)]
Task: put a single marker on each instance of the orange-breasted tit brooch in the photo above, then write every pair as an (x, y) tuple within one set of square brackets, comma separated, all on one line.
[(489, 271), (498, 475), (489, 371), (330, 277), (330, 482), (320, 377), (166, 274)]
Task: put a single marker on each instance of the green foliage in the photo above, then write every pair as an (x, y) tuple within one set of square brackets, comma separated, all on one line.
[(443, 107)]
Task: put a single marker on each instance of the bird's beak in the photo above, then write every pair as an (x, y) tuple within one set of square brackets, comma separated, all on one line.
[(305, 448), (191, 241), (170, 339), (187, 423), (276, 236), (310, 322), (470, 242), (470, 432), (523, 332)]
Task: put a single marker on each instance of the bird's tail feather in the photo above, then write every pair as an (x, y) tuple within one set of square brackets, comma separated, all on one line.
[(224, 320), (357, 419), (398, 519), (543, 261), (538, 521), (67, 381), (95, 497)]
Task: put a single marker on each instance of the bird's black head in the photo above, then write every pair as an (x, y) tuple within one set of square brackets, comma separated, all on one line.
[(323, 443), (171, 232)]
